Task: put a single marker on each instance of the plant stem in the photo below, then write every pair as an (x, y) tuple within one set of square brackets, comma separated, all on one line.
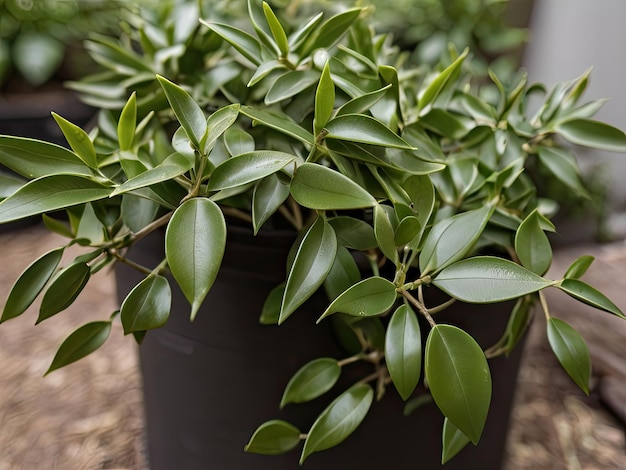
[(544, 306), (420, 307)]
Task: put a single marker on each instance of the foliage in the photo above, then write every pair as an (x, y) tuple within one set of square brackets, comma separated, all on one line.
[(322, 126)]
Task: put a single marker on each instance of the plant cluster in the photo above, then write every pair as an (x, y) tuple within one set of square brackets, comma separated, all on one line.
[(397, 182)]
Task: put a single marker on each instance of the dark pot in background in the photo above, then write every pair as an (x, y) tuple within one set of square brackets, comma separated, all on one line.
[(210, 383)]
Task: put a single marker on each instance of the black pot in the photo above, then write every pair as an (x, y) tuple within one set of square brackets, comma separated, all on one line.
[(210, 383)]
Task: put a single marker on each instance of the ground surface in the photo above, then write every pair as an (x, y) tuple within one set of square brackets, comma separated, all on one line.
[(88, 416)]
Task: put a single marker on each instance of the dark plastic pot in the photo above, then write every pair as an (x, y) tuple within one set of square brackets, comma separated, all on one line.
[(210, 383)]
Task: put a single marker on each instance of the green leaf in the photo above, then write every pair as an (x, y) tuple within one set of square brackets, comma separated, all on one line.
[(195, 241), (354, 233), (277, 30), (147, 306), (174, 165), (593, 134), (364, 129), (588, 295), (330, 32), (270, 313), (238, 141), (459, 379), (247, 168), (81, 343), (127, 123), (571, 351), (407, 230), (219, 122), (299, 36), (532, 245), (385, 236), (64, 289), (30, 283), (579, 267), (363, 103), (188, 112), (324, 100), (318, 187), (79, 141), (452, 238), (434, 88), (37, 55), (342, 275), (422, 194), (273, 438), (138, 212), (244, 43), (453, 440), (281, 123), (311, 381), (290, 84), (338, 420), (311, 265), (487, 279), (518, 322), (403, 350), (369, 297), (269, 194), (562, 164)]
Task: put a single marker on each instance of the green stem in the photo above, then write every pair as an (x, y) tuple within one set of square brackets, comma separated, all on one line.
[(420, 307)]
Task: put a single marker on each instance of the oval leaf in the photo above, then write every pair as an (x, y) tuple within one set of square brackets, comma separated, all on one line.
[(273, 438), (403, 350), (343, 274), (313, 261), (571, 351), (64, 290), (281, 123), (324, 99), (269, 194), (339, 420), (318, 187), (579, 267), (562, 164), (354, 233), (49, 194), (588, 295), (593, 134), (79, 141), (147, 306), (369, 297), (385, 235), (81, 343), (532, 245), (290, 84), (487, 279), (311, 381), (219, 122), (453, 441), (30, 283), (364, 129), (195, 241), (459, 379), (248, 167)]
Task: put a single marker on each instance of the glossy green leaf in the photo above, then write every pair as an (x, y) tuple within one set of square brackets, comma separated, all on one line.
[(247, 168), (173, 166), (259, 22), (447, 123), (354, 233), (219, 122), (324, 100), (330, 32), (579, 267), (300, 35), (369, 297), (407, 230), (518, 323), (452, 238), (195, 241), (137, 212), (312, 263), (318, 187), (453, 441), (487, 279), (79, 141), (269, 194), (81, 343), (589, 295), (188, 112), (342, 275), (30, 283), (64, 289), (571, 351), (363, 103), (422, 194), (273, 437), (127, 123), (244, 43), (593, 134), (339, 419), (238, 141), (364, 129), (434, 88), (385, 236), (270, 313), (281, 123), (403, 350), (562, 164), (290, 84), (311, 381), (277, 30), (147, 306), (459, 379), (532, 245)]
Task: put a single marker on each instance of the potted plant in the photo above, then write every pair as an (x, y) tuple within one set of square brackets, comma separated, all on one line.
[(346, 224)]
